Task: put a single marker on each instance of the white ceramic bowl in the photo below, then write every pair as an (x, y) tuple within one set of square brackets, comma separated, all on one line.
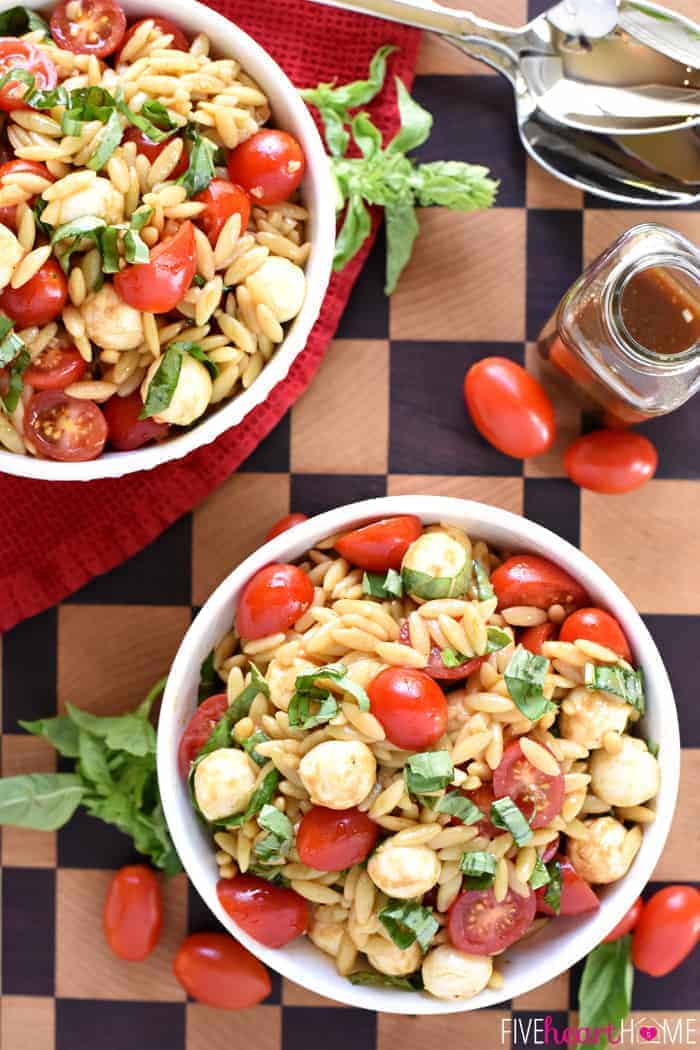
[(290, 113), (560, 944)]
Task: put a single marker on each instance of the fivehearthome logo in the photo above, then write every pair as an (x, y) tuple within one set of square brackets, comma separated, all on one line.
[(674, 1030)]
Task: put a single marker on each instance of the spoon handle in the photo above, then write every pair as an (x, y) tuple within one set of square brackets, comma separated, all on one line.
[(426, 14)]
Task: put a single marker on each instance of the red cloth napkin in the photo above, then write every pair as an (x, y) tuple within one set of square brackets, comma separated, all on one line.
[(55, 536)]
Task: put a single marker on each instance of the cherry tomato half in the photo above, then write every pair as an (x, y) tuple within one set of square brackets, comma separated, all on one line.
[(611, 461), (527, 579), (179, 41), (533, 638), (133, 913), (483, 798), (381, 545), (538, 795), (158, 285), (273, 600), (480, 925), (17, 54), (269, 166), (126, 430), (667, 931), (576, 895), (435, 666), (222, 200), (218, 971), (550, 850), (626, 923), (272, 915), (198, 730), (287, 522), (596, 625), (148, 148), (334, 839), (15, 167), (88, 27), (55, 368), (410, 705), (65, 428), (40, 300), (509, 408)]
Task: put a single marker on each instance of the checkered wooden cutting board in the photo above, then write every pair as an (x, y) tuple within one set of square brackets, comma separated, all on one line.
[(384, 415)]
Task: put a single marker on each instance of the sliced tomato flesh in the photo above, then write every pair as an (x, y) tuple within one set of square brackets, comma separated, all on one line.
[(480, 925)]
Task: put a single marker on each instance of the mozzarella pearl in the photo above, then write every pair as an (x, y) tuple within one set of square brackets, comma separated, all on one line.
[(404, 871), (451, 974), (281, 679), (587, 715), (628, 778), (10, 254), (224, 782), (387, 958), (191, 396), (326, 936), (606, 853), (110, 322), (279, 284), (99, 198), (338, 773)]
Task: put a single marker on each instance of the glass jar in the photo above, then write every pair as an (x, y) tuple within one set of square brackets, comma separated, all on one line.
[(627, 332)]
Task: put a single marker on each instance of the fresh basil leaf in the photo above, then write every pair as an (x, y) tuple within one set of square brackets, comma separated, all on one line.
[(16, 381), (109, 239), (505, 814), (497, 639), (459, 806), (250, 743), (10, 342), (109, 139), (428, 771), (242, 703), (482, 583), (605, 992), (402, 230), (136, 250), (92, 766), (140, 217), (337, 138), (86, 226), (60, 732), (416, 122), (338, 673), (372, 979), (277, 844), (162, 386), (368, 137), (157, 114), (451, 658), (261, 796), (353, 233), (301, 715), (479, 864), (627, 685), (407, 922), (20, 20), (195, 350), (131, 733), (553, 895), (383, 585), (209, 681), (200, 169), (42, 801), (524, 676), (455, 185), (540, 875), (356, 93)]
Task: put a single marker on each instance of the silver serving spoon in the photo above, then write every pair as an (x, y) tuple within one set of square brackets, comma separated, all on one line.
[(618, 83)]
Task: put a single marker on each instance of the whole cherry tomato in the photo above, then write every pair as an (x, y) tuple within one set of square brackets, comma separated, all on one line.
[(539, 795), (148, 148), (65, 428), (381, 545), (40, 300), (667, 930), (55, 368), (222, 200), (533, 638), (435, 666), (410, 705), (480, 925), (16, 167), (612, 461), (198, 730), (576, 895), (287, 522), (126, 429), (627, 923), (596, 625), (158, 285), (334, 839), (269, 166), (509, 408), (88, 27), (527, 579), (133, 913), (18, 54), (216, 970), (273, 600), (168, 28), (272, 915)]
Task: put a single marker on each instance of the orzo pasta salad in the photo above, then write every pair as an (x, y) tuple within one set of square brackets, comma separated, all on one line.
[(152, 244), (425, 751)]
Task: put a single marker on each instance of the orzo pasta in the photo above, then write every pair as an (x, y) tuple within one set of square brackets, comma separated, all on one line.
[(394, 769)]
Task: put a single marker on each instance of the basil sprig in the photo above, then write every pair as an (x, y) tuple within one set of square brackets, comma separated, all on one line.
[(407, 922), (605, 992), (383, 585), (524, 677), (459, 806), (505, 814), (162, 387), (20, 20), (627, 685), (428, 771), (277, 843)]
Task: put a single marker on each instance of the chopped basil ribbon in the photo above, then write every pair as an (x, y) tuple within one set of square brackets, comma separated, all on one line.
[(540, 875), (109, 139), (497, 639), (162, 386), (250, 744), (10, 342), (524, 677), (18, 75), (618, 680), (209, 681), (195, 350), (653, 748), (372, 979), (20, 20), (428, 771), (306, 686), (407, 922), (479, 868), (136, 251), (13, 354), (86, 226), (459, 806), (552, 896), (200, 170), (301, 716), (270, 874), (605, 992), (39, 207), (380, 585), (261, 796), (482, 583), (109, 246), (451, 658), (140, 217), (220, 735), (505, 814), (276, 845)]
